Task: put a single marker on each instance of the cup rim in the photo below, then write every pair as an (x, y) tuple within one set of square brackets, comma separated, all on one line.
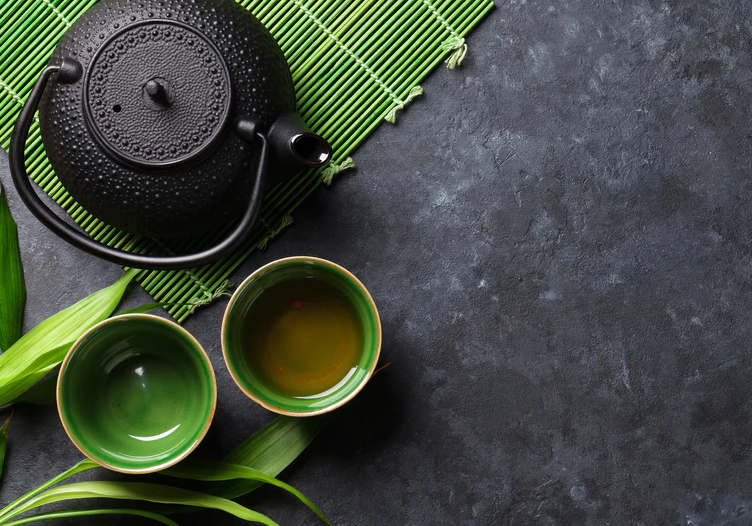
[(207, 424), (356, 389)]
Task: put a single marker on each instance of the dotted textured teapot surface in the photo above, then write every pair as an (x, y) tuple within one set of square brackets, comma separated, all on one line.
[(144, 140)]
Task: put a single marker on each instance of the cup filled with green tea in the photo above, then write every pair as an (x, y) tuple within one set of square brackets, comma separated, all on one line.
[(301, 336)]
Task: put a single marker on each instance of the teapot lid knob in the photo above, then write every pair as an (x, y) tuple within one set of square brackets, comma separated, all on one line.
[(157, 92)]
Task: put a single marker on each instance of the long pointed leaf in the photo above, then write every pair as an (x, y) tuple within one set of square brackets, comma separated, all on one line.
[(207, 470), (41, 393), (4, 441), (12, 286), (270, 450), (83, 513), (78, 468), (154, 306), (33, 372), (43, 348), (143, 309), (140, 491)]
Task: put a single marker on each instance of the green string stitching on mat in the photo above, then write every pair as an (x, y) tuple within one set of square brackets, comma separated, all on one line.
[(454, 43), (392, 115), (15, 97), (327, 176), (284, 223), (12, 93), (58, 13), (208, 297), (400, 104), (207, 293)]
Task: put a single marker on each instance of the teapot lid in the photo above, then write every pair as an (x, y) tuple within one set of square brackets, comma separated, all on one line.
[(157, 94)]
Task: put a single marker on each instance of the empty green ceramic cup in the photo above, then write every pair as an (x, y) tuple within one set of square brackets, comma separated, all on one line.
[(136, 393), (235, 335)]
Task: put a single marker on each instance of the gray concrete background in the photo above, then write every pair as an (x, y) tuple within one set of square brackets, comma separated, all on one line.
[(558, 236)]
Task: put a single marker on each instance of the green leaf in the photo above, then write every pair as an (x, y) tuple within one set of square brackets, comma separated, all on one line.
[(207, 470), (270, 450), (83, 513), (35, 372), (4, 441), (143, 309), (84, 465), (12, 287), (138, 491), (193, 304), (44, 347), (41, 393)]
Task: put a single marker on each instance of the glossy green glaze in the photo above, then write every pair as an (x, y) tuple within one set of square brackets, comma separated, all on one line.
[(235, 316), (136, 393)]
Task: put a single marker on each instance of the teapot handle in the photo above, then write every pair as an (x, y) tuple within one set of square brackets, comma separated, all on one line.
[(80, 240)]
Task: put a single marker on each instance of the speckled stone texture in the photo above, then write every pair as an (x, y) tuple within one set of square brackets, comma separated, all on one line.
[(558, 237)]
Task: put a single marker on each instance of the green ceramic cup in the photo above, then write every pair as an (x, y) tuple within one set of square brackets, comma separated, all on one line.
[(243, 372), (136, 393)]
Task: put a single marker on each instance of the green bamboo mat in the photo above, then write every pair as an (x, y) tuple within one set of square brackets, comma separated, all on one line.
[(354, 64)]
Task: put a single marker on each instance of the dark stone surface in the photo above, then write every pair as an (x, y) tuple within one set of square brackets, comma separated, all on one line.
[(558, 236)]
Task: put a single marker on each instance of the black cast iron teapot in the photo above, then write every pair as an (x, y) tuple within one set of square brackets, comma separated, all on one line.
[(165, 118)]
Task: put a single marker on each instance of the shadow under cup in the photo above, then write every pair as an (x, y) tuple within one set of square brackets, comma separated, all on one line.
[(235, 335)]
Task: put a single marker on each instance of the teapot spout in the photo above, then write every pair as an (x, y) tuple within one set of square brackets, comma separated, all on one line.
[(295, 147)]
